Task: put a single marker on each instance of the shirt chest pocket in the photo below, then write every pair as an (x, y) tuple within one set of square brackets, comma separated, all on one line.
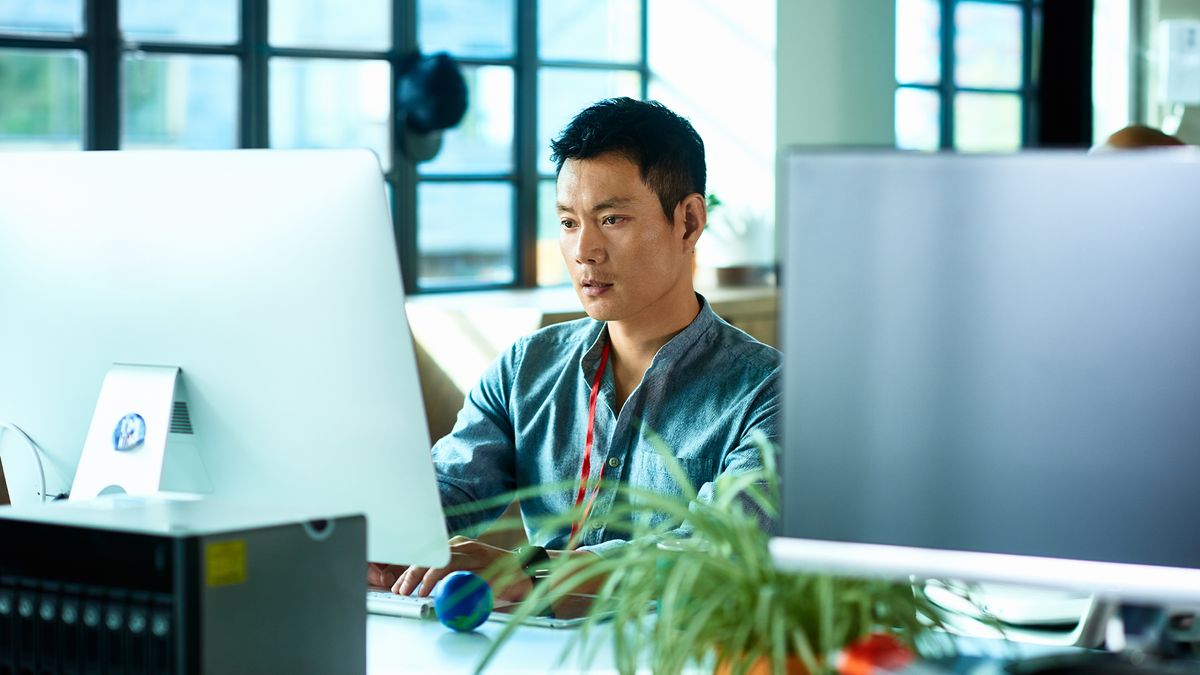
[(651, 471)]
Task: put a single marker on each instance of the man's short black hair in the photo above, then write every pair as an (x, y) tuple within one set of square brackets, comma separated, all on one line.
[(666, 149)]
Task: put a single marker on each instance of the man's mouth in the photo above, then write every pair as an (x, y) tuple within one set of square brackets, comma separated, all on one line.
[(594, 287)]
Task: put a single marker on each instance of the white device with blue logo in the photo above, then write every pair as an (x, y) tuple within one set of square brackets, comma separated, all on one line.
[(247, 305)]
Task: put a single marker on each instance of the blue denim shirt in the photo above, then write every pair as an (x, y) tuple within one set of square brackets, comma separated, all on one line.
[(705, 394)]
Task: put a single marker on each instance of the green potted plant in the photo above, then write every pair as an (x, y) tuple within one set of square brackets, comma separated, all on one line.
[(715, 597), (738, 244)]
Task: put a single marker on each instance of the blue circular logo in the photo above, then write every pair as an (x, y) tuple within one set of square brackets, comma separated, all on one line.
[(130, 433)]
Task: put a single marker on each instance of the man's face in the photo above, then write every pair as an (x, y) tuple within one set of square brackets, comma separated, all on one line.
[(626, 260)]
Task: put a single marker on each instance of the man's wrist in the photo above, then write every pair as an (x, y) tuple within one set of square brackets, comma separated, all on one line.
[(534, 562)]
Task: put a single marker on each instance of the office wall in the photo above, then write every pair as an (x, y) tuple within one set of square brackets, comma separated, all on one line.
[(835, 76), (836, 72)]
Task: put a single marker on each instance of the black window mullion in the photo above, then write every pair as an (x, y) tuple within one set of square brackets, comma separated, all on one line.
[(254, 125), (1028, 99), (404, 171), (644, 48), (189, 49), (103, 76), (946, 128), (606, 66), (325, 53), (525, 139), (39, 42)]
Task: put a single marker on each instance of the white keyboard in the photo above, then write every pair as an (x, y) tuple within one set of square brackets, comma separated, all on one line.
[(382, 601)]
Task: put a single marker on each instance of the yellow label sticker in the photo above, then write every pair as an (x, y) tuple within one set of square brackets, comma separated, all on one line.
[(225, 563)]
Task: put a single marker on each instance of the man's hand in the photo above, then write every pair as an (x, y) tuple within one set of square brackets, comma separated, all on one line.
[(381, 575), (472, 556)]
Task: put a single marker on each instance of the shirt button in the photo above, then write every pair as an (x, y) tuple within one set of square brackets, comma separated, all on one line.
[(613, 462)]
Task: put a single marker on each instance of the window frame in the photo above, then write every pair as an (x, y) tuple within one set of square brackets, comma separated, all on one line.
[(103, 49), (947, 90)]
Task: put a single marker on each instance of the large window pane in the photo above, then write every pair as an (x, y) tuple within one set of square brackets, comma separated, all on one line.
[(41, 100), (551, 270), (334, 24), (331, 103), (987, 45), (465, 233), (987, 122), (180, 102), (179, 20), (481, 28), (566, 91), (918, 41), (1110, 68), (483, 141), (41, 17), (918, 116), (590, 30)]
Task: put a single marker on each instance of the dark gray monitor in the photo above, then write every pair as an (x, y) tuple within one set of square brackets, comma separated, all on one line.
[(992, 368)]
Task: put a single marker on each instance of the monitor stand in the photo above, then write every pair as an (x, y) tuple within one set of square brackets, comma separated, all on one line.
[(140, 411), (1140, 640)]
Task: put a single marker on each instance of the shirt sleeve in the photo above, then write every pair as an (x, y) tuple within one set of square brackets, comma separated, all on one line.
[(476, 461), (760, 433)]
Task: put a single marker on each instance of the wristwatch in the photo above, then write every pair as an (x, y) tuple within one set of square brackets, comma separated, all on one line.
[(534, 561)]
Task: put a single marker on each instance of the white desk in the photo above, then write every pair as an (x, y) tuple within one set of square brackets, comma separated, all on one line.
[(398, 646)]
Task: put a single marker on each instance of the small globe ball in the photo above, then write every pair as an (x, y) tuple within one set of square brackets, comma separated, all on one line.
[(464, 602)]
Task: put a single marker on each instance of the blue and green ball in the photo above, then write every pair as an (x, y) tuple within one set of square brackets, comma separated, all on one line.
[(464, 602)]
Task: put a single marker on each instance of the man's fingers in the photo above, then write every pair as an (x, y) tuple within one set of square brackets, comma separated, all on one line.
[(378, 575), (430, 580), (383, 576), (408, 581), (465, 554)]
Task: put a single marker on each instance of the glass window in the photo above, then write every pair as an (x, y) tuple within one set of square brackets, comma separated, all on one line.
[(987, 122), (483, 141), (331, 24), (41, 17), (331, 103), (551, 270), (465, 234), (563, 92), (180, 102), (987, 45), (213, 21), (1110, 68), (590, 30), (918, 41), (42, 93), (479, 28), (918, 119)]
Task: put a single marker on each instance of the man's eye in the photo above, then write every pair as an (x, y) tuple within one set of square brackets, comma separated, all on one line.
[(566, 224), (611, 220)]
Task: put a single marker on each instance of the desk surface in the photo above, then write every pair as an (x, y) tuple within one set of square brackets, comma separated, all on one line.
[(397, 645)]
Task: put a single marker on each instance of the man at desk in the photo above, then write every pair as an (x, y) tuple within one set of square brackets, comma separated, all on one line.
[(568, 402)]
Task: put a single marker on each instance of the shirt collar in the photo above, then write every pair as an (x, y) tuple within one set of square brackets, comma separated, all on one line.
[(672, 351)]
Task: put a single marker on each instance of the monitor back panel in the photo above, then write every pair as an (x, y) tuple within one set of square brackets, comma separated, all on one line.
[(997, 354), (269, 277)]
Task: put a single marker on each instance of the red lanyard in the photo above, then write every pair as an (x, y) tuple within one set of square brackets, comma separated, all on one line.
[(586, 470)]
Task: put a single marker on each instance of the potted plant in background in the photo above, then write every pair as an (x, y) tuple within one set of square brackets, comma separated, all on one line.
[(716, 597), (739, 243)]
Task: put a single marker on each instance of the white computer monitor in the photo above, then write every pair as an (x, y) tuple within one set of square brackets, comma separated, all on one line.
[(270, 279), (992, 369)]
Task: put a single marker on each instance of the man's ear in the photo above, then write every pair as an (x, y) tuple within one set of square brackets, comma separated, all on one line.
[(693, 211)]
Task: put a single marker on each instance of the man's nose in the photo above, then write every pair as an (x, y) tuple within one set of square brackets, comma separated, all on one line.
[(589, 247)]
